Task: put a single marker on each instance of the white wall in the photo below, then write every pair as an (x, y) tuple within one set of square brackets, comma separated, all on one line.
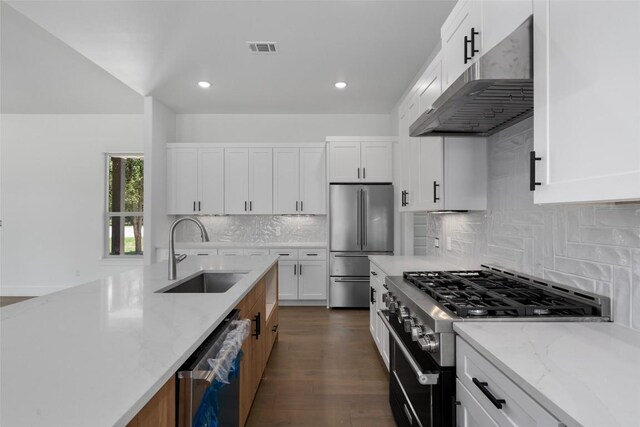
[(278, 127), (53, 197), (159, 128)]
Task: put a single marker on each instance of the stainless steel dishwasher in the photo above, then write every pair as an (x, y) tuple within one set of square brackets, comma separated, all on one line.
[(203, 398)]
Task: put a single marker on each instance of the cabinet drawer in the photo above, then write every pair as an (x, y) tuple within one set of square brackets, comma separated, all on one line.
[(256, 252), (312, 254), (377, 273), (285, 254), (518, 409), (470, 413), (230, 252), (203, 252)]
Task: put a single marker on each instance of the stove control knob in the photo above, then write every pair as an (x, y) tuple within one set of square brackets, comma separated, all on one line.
[(416, 332), (409, 323), (403, 313), (428, 343), (393, 306)]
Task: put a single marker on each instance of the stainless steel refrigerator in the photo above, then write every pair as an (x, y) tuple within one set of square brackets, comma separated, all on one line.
[(361, 224)]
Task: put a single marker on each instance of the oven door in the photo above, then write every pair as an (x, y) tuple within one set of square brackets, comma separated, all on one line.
[(421, 393)]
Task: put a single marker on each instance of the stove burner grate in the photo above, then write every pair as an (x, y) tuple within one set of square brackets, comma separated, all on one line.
[(480, 293)]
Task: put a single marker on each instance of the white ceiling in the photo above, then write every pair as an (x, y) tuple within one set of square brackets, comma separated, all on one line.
[(162, 48), (39, 74)]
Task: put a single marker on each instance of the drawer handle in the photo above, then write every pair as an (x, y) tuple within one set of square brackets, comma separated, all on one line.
[(274, 328), (312, 254), (483, 388), (373, 273)]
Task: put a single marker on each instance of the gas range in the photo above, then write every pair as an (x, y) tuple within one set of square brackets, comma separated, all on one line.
[(427, 303)]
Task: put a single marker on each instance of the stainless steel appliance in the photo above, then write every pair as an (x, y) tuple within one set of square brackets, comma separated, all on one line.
[(494, 93), (361, 224), (421, 309), (195, 377)]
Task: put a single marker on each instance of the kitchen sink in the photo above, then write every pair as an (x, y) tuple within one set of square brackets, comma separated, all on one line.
[(206, 283)]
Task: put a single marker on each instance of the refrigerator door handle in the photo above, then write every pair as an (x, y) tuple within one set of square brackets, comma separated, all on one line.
[(358, 219), (365, 219)]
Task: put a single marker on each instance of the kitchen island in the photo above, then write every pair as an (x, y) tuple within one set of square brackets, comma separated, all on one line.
[(95, 354)]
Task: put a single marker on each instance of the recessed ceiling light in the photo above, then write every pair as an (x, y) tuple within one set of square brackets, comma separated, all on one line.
[(204, 85), (341, 85)]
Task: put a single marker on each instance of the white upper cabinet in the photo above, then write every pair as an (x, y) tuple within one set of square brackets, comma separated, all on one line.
[(376, 161), (182, 184), (461, 39), (211, 181), (195, 181), (405, 155), (299, 181), (260, 181), (430, 86), (474, 27), (344, 161), (286, 182), (248, 181), (313, 182), (236, 182), (587, 93), (360, 161)]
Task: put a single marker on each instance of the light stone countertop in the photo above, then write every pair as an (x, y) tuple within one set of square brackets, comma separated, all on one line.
[(218, 245), (396, 265), (94, 354), (583, 373)]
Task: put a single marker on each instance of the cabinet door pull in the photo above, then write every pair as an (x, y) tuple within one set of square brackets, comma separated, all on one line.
[(435, 197), (532, 171), (256, 319), (483, 388), (358, 173), (250, 206), (199, 206), (245, 206), (466, 50), (194, 205), (474, 33), (373, 273), (372, 295), (296, 206), (294, 269), (364, 173), (301, 206), (300, 269)]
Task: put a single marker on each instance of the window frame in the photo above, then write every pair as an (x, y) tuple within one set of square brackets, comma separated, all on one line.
[(108, 214)]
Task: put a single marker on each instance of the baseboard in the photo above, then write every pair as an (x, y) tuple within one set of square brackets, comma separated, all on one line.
[(302, 303), (29, 291)]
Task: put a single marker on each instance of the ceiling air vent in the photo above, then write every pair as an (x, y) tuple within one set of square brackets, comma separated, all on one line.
[(263, 47)]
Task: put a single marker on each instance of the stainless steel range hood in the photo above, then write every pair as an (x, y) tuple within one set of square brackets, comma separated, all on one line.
[(492, 94)]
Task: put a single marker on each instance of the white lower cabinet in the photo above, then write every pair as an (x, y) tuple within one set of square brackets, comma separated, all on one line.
[(287, 280), (302, 274), (470, 413), (488, 397), (379, 332), (312, 280)]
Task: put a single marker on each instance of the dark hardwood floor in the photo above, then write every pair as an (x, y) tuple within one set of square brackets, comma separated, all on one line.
[(324, 371)]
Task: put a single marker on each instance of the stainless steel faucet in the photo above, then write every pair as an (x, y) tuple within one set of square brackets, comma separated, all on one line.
[(173, 261)]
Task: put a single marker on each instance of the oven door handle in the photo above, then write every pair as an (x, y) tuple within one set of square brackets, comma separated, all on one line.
[(428, 378)]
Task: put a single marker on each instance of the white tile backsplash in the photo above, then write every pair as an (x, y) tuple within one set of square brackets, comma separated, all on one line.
[(594, 247), (257, 229)]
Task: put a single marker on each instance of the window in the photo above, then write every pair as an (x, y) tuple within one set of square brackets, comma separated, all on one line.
[(125, 205)]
